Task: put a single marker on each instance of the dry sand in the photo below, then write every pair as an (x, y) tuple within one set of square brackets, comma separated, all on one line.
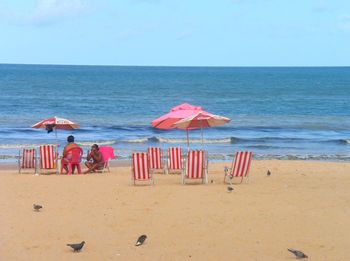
[(302, 205)]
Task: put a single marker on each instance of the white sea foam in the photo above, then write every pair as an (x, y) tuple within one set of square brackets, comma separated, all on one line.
[(179, 140), (18, 146), (100, 143)]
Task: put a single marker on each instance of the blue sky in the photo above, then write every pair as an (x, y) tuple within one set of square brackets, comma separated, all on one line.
[(176, 32)]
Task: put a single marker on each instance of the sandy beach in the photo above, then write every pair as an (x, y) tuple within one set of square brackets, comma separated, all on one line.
[(302, 205)]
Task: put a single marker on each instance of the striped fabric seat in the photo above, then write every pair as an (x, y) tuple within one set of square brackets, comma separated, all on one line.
[(196, 166), (48, 157), (155, 158), (140, 167), (174, 159), (240, 165), (27, 159)]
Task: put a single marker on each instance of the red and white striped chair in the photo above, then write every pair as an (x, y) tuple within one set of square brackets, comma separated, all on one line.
[(27, 160), (174, 162), (155, 159), (240, 166), (48, 157), (140, 170), (196, 166)]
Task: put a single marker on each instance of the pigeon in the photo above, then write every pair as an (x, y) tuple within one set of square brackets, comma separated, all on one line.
[(229, 189), (268, 173), (297, 253), (141, 240), (37, 207), (77, 247)]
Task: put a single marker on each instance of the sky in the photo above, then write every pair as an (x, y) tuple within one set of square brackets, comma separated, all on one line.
[(176, 32)]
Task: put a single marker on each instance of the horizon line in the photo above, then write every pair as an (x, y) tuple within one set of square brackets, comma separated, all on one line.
[(202, 66)]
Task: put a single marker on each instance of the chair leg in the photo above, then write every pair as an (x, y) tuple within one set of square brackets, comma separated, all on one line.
[(69, 169)]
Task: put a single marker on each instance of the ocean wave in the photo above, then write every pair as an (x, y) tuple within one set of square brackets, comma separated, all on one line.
[(345, 141), (100, 143), (178, 140), (18, 146)]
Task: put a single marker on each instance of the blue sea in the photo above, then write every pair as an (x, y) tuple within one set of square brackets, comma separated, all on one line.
[(278, 113)]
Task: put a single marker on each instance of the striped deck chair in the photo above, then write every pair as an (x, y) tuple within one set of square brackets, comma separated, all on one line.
[(174, 162), (140, 170), (196, 166), (155, 159), (48, 157), (27, 160), (240, 166)]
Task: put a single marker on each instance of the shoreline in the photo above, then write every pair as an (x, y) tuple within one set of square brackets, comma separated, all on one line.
[(126, 163)]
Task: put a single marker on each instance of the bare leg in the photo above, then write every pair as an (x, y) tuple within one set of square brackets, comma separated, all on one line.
[(89, 165)]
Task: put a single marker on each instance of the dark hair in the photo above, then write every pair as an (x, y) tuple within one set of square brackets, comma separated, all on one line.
[(70, 138), (95, 146)]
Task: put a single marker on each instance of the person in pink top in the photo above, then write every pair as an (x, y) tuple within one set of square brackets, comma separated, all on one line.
[(94, 160)]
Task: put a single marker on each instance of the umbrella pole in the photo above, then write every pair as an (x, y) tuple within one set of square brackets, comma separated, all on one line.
[(188, 141), (202, 136), (56, 151)]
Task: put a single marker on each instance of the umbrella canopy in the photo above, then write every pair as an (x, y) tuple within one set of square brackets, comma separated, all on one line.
[(56, 123), (177, 113), (200, 120)]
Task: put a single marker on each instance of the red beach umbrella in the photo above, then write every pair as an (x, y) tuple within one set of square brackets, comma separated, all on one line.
[(56, 123)]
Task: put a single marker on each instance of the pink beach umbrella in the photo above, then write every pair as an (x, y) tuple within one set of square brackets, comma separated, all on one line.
[(182, 111), (201, 120), (177, 113)]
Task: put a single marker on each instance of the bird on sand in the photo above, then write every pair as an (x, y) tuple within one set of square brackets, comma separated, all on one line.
[(77, 247), (140, 240), (268, 173), (297, 253), (37, 207), (229, 189)]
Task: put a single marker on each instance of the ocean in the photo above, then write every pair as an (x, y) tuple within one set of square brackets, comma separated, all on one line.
[(275, 112)]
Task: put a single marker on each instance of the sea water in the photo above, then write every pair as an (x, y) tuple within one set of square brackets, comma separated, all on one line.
[(281, 113)]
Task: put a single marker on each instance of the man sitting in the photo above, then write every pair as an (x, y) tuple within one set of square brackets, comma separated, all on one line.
[(94, 160), (67, 152)]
